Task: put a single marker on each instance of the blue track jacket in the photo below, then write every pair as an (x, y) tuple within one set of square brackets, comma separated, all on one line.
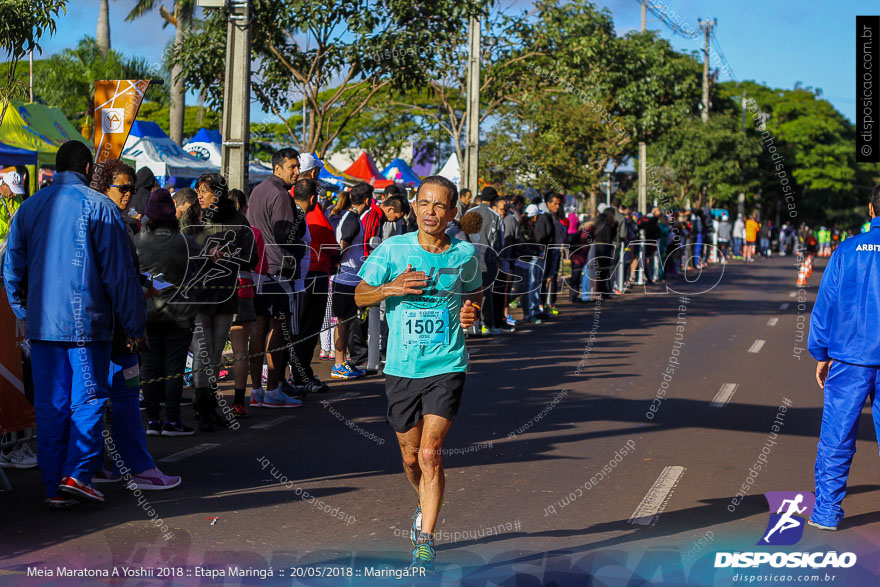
[(845, 325), (68, 265)]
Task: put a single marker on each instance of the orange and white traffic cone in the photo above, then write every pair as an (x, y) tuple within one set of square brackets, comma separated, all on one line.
[(809, 266), (802, 275)]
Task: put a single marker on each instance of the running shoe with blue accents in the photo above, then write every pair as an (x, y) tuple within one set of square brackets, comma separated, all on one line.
[(346, 371), (423, 556)]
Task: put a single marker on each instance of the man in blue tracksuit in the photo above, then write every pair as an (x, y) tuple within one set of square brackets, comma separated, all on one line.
[(845, 339), (67, 271)]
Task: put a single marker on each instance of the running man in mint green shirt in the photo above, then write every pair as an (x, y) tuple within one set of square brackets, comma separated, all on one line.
[(432, 287)]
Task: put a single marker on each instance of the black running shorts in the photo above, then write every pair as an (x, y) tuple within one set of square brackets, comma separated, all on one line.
[(410, 399)]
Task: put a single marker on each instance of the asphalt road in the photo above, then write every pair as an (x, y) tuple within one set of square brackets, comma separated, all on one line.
[(586, 449)]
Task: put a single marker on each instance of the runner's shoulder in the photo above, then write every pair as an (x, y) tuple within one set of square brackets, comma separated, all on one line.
[(466, 248)]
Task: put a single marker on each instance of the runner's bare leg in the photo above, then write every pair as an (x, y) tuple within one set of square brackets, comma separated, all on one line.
[(409, 450), (433, 479)]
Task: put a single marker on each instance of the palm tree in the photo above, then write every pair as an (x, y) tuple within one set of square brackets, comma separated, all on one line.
[(103, 32), (181, 19)]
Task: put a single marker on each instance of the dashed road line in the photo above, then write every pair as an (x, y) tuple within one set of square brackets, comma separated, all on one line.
[(724, 394), (772, 321), (783, 306), (652, 505), (757, 346), (792, 294)]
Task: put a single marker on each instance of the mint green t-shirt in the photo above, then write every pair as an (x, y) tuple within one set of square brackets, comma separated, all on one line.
[(424, 334)]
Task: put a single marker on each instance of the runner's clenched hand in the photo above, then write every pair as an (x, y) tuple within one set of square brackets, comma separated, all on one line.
[(468, 314)]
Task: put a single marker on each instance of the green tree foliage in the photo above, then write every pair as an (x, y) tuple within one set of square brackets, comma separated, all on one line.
[(808, 143), (711, 163), (299, 46), (22, 24), (67, 80)]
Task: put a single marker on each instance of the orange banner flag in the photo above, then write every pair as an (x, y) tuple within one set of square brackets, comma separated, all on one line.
[(117, 103)]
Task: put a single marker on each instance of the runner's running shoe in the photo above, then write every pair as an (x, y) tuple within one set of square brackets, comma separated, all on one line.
[(423, 557), (416, 526), (257, 398), (239, 411), (278, 399), (511, 321), (71, 486), (346, 371), (154, 428), (554, 310)]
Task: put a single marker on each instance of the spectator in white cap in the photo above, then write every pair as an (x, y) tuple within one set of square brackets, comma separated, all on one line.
[(532, 210), (11, 190), (309, 166)]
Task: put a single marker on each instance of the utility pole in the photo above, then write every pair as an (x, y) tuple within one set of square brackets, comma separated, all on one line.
[(472, 156), (237, 95), (643, 148), (744, 103), (706, 27), (31, 60)]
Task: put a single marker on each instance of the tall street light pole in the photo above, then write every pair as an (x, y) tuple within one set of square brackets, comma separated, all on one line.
[(472, 156), (643, 148)]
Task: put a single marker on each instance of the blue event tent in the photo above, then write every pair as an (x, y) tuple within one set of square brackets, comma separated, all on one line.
[(399, 172)]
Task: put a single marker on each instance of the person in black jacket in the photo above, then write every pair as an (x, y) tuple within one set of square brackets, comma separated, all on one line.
[(144, 184), (225, 245), (165, 252), (602, 253)]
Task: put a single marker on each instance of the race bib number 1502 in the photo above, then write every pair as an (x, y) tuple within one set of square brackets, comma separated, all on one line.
[(425, 327)]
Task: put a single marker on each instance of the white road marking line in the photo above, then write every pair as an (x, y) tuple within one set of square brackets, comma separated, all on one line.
[(194, 450), (756, 346), (772, 321), (652, 505), (724, 394), (272, 422), (792, 294), (783, 306)]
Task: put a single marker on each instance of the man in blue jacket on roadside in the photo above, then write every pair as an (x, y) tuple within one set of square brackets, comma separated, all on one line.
[(67, 271), (845, 340)]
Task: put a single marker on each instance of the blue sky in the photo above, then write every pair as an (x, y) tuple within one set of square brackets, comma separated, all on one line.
[(776, 42)]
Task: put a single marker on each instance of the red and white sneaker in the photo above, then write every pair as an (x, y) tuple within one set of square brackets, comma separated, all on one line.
[(71, 486), (60, 503)]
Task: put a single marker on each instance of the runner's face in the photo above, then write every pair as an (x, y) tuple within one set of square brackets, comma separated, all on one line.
[(434, 209)]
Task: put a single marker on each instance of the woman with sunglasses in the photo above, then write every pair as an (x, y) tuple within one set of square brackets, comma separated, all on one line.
[(116, 180)]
